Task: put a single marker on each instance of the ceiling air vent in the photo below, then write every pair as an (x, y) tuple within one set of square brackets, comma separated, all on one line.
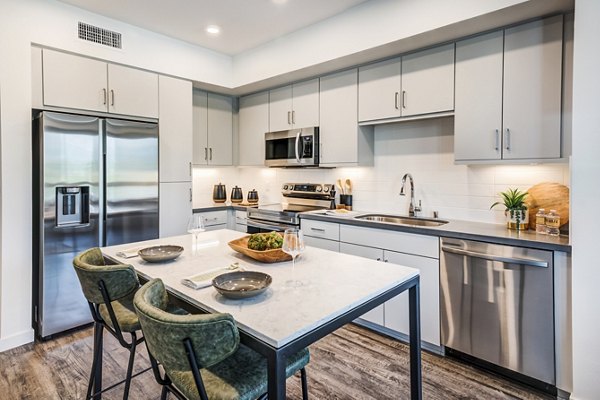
[(102, 36)]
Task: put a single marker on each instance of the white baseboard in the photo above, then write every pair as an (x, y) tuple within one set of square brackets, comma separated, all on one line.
[(16, 340)]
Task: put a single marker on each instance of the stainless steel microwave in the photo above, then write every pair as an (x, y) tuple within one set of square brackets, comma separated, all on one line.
[(293, 148)]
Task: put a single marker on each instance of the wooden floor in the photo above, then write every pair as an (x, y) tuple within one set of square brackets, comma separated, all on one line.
[(352, 363)]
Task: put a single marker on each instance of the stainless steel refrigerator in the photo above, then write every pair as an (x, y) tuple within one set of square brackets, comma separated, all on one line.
[(95, 183)]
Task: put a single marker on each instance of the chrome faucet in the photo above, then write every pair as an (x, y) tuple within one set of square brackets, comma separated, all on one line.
[(413, 210)]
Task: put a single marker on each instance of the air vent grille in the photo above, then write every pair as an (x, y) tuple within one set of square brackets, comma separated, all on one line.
[(102, 36)]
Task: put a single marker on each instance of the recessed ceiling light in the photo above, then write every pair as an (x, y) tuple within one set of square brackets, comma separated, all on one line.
[(279, 1), (213, 30)]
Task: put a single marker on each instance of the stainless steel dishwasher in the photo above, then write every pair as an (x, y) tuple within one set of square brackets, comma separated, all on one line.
[(497, 305)]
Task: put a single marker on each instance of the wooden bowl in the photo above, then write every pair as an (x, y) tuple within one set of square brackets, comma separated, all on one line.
[(267, 256)]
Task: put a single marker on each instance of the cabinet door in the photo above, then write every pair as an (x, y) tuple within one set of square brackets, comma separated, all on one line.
[(74, 82), (132, 92), (532, 89), (478, 102), (396, 309), (324, 244), (428, 81), (175, 208), (254, 123), (339, 118), (220, 129), (175, 129), (280, 109), (376, 315), (200, 127), (305, 104), (379, 90)]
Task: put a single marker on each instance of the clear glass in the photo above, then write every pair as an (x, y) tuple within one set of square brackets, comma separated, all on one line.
[(293, 244), (553, 223), (195, 227), (540, 221)]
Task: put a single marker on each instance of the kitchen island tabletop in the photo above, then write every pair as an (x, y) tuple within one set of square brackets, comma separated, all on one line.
[(334, 289)]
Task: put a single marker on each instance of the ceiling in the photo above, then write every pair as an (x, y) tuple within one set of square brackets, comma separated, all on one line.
[(244, 24)]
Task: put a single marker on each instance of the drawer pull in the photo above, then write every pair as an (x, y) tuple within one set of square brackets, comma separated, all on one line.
[(317, 229)]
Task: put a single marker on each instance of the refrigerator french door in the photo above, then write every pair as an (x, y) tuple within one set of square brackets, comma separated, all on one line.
[(95, 184)]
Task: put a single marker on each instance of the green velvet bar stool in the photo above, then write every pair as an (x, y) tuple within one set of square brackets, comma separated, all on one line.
[(201, 354), (109, 290)]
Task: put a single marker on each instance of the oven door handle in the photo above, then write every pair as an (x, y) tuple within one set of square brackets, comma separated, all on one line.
[(297, 142), (532, 262), (273, 226)]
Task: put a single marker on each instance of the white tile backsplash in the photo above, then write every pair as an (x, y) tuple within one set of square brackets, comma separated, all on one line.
[(423, 148)]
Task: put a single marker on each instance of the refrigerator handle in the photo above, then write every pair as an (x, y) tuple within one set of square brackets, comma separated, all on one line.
[(102, 186)]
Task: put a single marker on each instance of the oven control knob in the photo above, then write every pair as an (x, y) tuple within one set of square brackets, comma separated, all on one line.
[(326, 189), (319, 188), (285, 187)]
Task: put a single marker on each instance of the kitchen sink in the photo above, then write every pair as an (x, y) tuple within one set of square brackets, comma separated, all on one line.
[(400, 220)]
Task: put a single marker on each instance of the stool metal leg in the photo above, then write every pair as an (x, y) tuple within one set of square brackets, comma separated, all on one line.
[(130, 366), (95, 384), (304, 384), (94, 362), (164, 393)]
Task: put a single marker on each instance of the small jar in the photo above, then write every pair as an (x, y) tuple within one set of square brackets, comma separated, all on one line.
[(553, 223), (540, 221)]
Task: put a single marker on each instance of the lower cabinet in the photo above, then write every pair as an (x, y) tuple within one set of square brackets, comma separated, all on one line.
[(175, 208), (214, 220), (325, 244)]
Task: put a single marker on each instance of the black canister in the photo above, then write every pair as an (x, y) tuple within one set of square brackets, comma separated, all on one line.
[(236, 195), (253, 196), (219, 193)]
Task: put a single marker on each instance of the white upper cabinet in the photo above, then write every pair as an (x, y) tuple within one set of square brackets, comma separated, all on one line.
[(294, 106), (415, 84), (213, 129), (508, 94), (175, 130), (532, 89), (175, 208), (82, 83), (253, 123), (132, 92), (379, 90), (428, 81), (343, 142), (74, 82), (478, 103)]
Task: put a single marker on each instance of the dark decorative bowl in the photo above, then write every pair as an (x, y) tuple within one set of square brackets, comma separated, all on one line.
[(242, 284), (160, 253)]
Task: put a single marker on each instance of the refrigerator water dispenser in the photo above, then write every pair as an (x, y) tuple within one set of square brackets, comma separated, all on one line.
[(72, 205)]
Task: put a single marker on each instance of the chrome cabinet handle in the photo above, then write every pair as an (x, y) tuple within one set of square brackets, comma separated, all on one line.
[(317, 229), (104, 95), (497, 140), (507, 139), (112, 97), (190, 168), (298, 141), (210, 150), (293, 117), (205, 153), (532, 262), (378, 258), (404, 99), (190, 195), (289, 117), (396, 100)]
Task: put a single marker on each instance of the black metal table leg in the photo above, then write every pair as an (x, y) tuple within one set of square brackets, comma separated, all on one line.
[(276, 376), (415, 343)]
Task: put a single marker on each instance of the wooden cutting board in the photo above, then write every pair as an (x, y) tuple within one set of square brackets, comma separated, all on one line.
[(549, 196)]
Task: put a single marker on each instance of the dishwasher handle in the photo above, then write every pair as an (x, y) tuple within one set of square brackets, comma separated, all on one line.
[(523, 261)]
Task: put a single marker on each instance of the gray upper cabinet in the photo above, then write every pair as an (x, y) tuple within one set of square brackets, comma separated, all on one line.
[(82, 83), (508, 94), (415, 84), (379, 90), (175, 130), (253, 123), (294, 106), (213, 129), (342, 141)]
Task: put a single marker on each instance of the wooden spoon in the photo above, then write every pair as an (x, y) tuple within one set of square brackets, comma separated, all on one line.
[(339, 185), (348, 186)]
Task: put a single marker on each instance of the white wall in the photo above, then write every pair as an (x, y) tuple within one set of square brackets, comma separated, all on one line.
[(54, 24), (423, 148), (370, 24), (585, 199)]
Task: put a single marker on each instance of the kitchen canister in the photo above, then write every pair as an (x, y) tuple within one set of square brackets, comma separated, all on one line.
[(236, 195), (219, 193), (253, 196)]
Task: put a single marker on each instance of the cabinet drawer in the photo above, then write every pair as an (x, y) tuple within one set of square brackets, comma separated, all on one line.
[(212, 218), (402, 242), (241, 217), (322, 243), (325, 230)]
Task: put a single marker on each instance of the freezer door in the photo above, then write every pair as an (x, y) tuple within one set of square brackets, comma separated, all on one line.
[(66, 175), (131, 163)]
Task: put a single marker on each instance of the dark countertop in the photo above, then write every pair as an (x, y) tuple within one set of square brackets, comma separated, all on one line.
[(457, 229), (221, 207)]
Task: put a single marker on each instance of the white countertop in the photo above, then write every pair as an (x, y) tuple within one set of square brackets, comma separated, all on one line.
[(332, 284)]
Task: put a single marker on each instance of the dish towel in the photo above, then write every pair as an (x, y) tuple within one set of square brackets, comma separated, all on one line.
[(129, 253), (204, 279)]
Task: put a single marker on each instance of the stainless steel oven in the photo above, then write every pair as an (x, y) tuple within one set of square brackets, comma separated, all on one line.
[(293, 148)]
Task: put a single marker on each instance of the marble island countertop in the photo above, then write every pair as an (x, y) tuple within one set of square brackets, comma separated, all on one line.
[(496, 233)]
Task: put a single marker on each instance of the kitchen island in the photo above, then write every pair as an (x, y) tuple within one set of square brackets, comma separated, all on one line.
[(335, 289)]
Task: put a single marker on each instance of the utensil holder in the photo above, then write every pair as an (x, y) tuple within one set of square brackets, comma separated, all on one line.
[(346, 200)]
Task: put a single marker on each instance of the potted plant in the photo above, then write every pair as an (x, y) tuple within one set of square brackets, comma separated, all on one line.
[(517, 215)]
